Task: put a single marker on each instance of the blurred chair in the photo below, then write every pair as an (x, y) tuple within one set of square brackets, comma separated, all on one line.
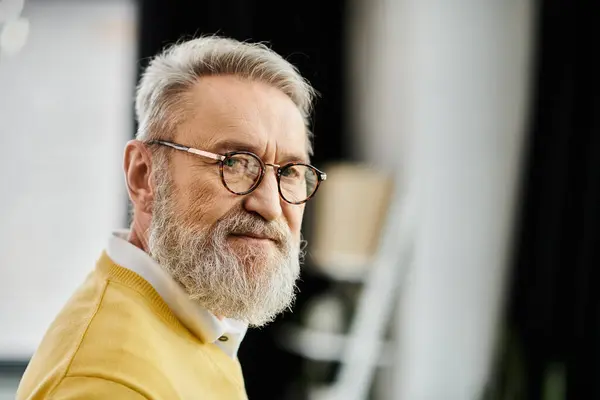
[(360, 217)]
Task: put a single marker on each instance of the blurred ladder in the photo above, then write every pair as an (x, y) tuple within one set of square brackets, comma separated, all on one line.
[(365, 339)]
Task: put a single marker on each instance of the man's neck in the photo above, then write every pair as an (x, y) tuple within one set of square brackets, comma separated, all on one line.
[(136, 237)]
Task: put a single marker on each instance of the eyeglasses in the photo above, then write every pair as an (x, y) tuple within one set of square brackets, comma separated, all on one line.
[(242, 172)]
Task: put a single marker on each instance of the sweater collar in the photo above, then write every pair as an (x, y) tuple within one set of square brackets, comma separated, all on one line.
[(226, 333)]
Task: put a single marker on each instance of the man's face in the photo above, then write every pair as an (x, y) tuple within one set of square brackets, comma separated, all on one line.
[(238, 256)]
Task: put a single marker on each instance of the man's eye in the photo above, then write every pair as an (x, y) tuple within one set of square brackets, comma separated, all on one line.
[(290, 172), (230, 162)]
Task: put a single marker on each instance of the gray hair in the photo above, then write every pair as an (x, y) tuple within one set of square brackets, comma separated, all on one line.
[(170, 75)]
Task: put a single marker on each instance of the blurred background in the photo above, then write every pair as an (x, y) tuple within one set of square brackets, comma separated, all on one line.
[(454, 249)]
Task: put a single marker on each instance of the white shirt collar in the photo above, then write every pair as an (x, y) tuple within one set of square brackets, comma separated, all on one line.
[(226, 333)]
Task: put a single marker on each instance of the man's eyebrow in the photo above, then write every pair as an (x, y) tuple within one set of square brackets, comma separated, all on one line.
[(229, 145)]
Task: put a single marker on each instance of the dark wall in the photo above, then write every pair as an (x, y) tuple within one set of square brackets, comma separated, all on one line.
[(309, 34), (555, 295)]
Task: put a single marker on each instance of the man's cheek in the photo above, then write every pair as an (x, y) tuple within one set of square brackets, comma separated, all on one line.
[(294, 222)]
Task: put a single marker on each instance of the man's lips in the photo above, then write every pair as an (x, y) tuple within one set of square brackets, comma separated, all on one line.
[(254, 236)]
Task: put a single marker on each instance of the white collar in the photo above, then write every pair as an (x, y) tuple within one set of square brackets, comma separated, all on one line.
[(227, 333)]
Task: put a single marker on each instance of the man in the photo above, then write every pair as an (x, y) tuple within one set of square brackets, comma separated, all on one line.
[(218, 176)]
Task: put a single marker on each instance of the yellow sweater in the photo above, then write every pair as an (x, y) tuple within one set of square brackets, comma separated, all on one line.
[(117, 339)]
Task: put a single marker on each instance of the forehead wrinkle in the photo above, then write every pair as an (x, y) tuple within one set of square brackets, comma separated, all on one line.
[(213, 105), (257, 115), (218, 116), (233, 116), (212, 118)]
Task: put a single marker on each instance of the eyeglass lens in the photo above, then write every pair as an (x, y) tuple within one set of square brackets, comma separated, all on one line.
[(241, 172)]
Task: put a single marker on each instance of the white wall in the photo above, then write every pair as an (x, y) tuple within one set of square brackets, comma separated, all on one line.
[(444, 85), (65, 112)]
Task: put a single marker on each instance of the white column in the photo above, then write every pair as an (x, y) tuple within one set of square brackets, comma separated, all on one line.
[(444, 84)]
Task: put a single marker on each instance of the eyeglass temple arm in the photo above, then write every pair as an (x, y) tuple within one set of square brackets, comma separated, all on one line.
[(213, 156), (201, 153), (322, 175)]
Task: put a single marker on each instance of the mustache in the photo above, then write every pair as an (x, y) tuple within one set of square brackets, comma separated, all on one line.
[(240, 222)]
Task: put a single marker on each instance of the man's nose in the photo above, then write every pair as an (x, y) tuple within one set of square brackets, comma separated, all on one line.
[(265, 199)]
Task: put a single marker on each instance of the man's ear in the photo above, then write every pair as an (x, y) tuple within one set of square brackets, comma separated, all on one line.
[(137, 164)]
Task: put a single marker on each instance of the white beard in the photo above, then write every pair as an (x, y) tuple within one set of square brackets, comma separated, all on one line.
[(254, 286)]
